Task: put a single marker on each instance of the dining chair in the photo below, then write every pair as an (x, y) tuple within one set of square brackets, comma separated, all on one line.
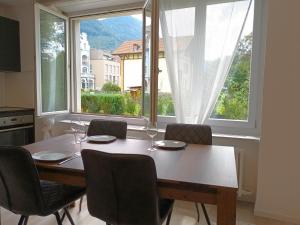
[(23, 193), (122, 189), (108, 127), (192, 134)]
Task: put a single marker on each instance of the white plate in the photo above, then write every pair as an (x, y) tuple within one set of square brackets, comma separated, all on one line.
[(170, 144), (50, 156), (101, 139)]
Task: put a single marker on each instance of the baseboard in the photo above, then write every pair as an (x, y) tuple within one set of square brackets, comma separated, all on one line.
[(265, 213)]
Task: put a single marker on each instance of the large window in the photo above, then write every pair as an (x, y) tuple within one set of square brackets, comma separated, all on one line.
[(52, 77), (236, 105), (114, 74)]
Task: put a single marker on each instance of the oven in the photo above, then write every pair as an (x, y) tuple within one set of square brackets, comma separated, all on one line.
[(16, 126)]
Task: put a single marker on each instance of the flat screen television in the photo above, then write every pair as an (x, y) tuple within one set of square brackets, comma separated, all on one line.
[(9, 45)]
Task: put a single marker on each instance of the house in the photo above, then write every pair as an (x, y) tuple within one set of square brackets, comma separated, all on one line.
[(271, 157), (106, 68), (130, 53)]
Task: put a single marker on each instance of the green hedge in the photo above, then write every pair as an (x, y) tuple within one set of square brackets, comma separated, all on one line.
[(103, 103), (122, 104)]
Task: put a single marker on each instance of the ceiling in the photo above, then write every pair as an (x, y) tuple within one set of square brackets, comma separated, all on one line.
[(71, 6)]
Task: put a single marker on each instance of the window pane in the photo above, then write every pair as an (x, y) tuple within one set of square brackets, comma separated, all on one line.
[(165, 104), (233, 101), (53, 62), (112, 47)]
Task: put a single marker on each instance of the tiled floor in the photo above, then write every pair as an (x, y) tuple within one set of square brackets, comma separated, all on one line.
[(184, 214)]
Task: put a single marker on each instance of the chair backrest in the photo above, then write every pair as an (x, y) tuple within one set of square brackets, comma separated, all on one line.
[(189, 133), (20, 190), (121, 188), (108, 127)]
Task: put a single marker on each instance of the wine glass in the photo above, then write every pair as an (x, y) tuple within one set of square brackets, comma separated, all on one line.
[(151, 129), (74, 130), (81, 133)]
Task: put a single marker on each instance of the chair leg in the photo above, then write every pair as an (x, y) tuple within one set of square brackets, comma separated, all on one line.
[(26, 220), (63, 216), (80, 204), (57, 218), (69, 216), (169, 217), (198, 213), (205, 214), (21, 220)]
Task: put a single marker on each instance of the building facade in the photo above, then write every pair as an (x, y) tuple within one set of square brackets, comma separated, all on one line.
[(105, 68), (87, 77)]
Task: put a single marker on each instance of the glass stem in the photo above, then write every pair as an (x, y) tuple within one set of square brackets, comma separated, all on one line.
[(152, 143)]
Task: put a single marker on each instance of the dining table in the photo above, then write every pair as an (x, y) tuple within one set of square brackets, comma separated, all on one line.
[(198, 173)]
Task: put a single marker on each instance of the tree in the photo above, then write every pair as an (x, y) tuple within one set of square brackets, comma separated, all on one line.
[(234, 98), (110, 87)]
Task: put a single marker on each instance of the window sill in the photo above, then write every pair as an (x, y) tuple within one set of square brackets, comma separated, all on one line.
[(140, 128)]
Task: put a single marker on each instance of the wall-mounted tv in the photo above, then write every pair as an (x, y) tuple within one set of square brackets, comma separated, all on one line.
[(9, 45)]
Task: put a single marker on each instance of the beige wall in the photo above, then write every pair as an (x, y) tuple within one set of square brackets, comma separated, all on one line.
[(98, 71), (19, 87), (279, 158), (2, 89)]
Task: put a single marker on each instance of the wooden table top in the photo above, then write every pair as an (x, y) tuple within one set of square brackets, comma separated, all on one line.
[(208, 165)]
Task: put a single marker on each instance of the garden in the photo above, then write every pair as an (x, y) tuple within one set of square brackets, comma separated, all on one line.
[(111, 100)]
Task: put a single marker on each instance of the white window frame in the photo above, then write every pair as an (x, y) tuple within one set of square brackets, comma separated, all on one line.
[(251, 127), (75, 106), (37, 8)]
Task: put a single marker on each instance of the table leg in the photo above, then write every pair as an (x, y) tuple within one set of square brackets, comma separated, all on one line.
[(226, 207)]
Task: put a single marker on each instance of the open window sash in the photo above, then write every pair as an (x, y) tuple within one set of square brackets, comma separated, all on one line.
[(150, 59), (52, 61)]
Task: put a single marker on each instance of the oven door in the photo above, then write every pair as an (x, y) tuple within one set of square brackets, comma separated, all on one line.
[(17, 136)]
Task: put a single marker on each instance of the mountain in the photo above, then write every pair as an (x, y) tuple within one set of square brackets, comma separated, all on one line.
[(108, 34)]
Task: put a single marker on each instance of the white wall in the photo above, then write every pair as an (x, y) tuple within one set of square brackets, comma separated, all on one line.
[(132, 73), (278, 187)]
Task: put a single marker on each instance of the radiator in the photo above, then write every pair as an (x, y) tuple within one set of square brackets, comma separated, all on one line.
[(239, 158)]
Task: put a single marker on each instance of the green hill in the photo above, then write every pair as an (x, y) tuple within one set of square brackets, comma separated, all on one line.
[(109, 33)]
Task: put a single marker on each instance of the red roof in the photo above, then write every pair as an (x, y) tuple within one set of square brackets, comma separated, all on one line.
[(136, 46)]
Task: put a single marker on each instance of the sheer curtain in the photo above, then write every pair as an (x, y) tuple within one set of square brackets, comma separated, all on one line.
[(200, 38)]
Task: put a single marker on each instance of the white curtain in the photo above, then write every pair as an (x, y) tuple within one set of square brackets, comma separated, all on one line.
[(200, 38)]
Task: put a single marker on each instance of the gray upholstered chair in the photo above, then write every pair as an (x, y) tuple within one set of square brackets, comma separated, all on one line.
[(23, 193), (108, 127), (122, 189), (192, 134)]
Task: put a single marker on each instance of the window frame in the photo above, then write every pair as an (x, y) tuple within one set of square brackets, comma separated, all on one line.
[(37, 8), (250, 126), (75, 98)]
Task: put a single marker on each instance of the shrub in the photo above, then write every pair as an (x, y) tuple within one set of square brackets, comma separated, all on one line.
[(165, 105), (107, 103), (112, 104), (132, 106), (110, 88)]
